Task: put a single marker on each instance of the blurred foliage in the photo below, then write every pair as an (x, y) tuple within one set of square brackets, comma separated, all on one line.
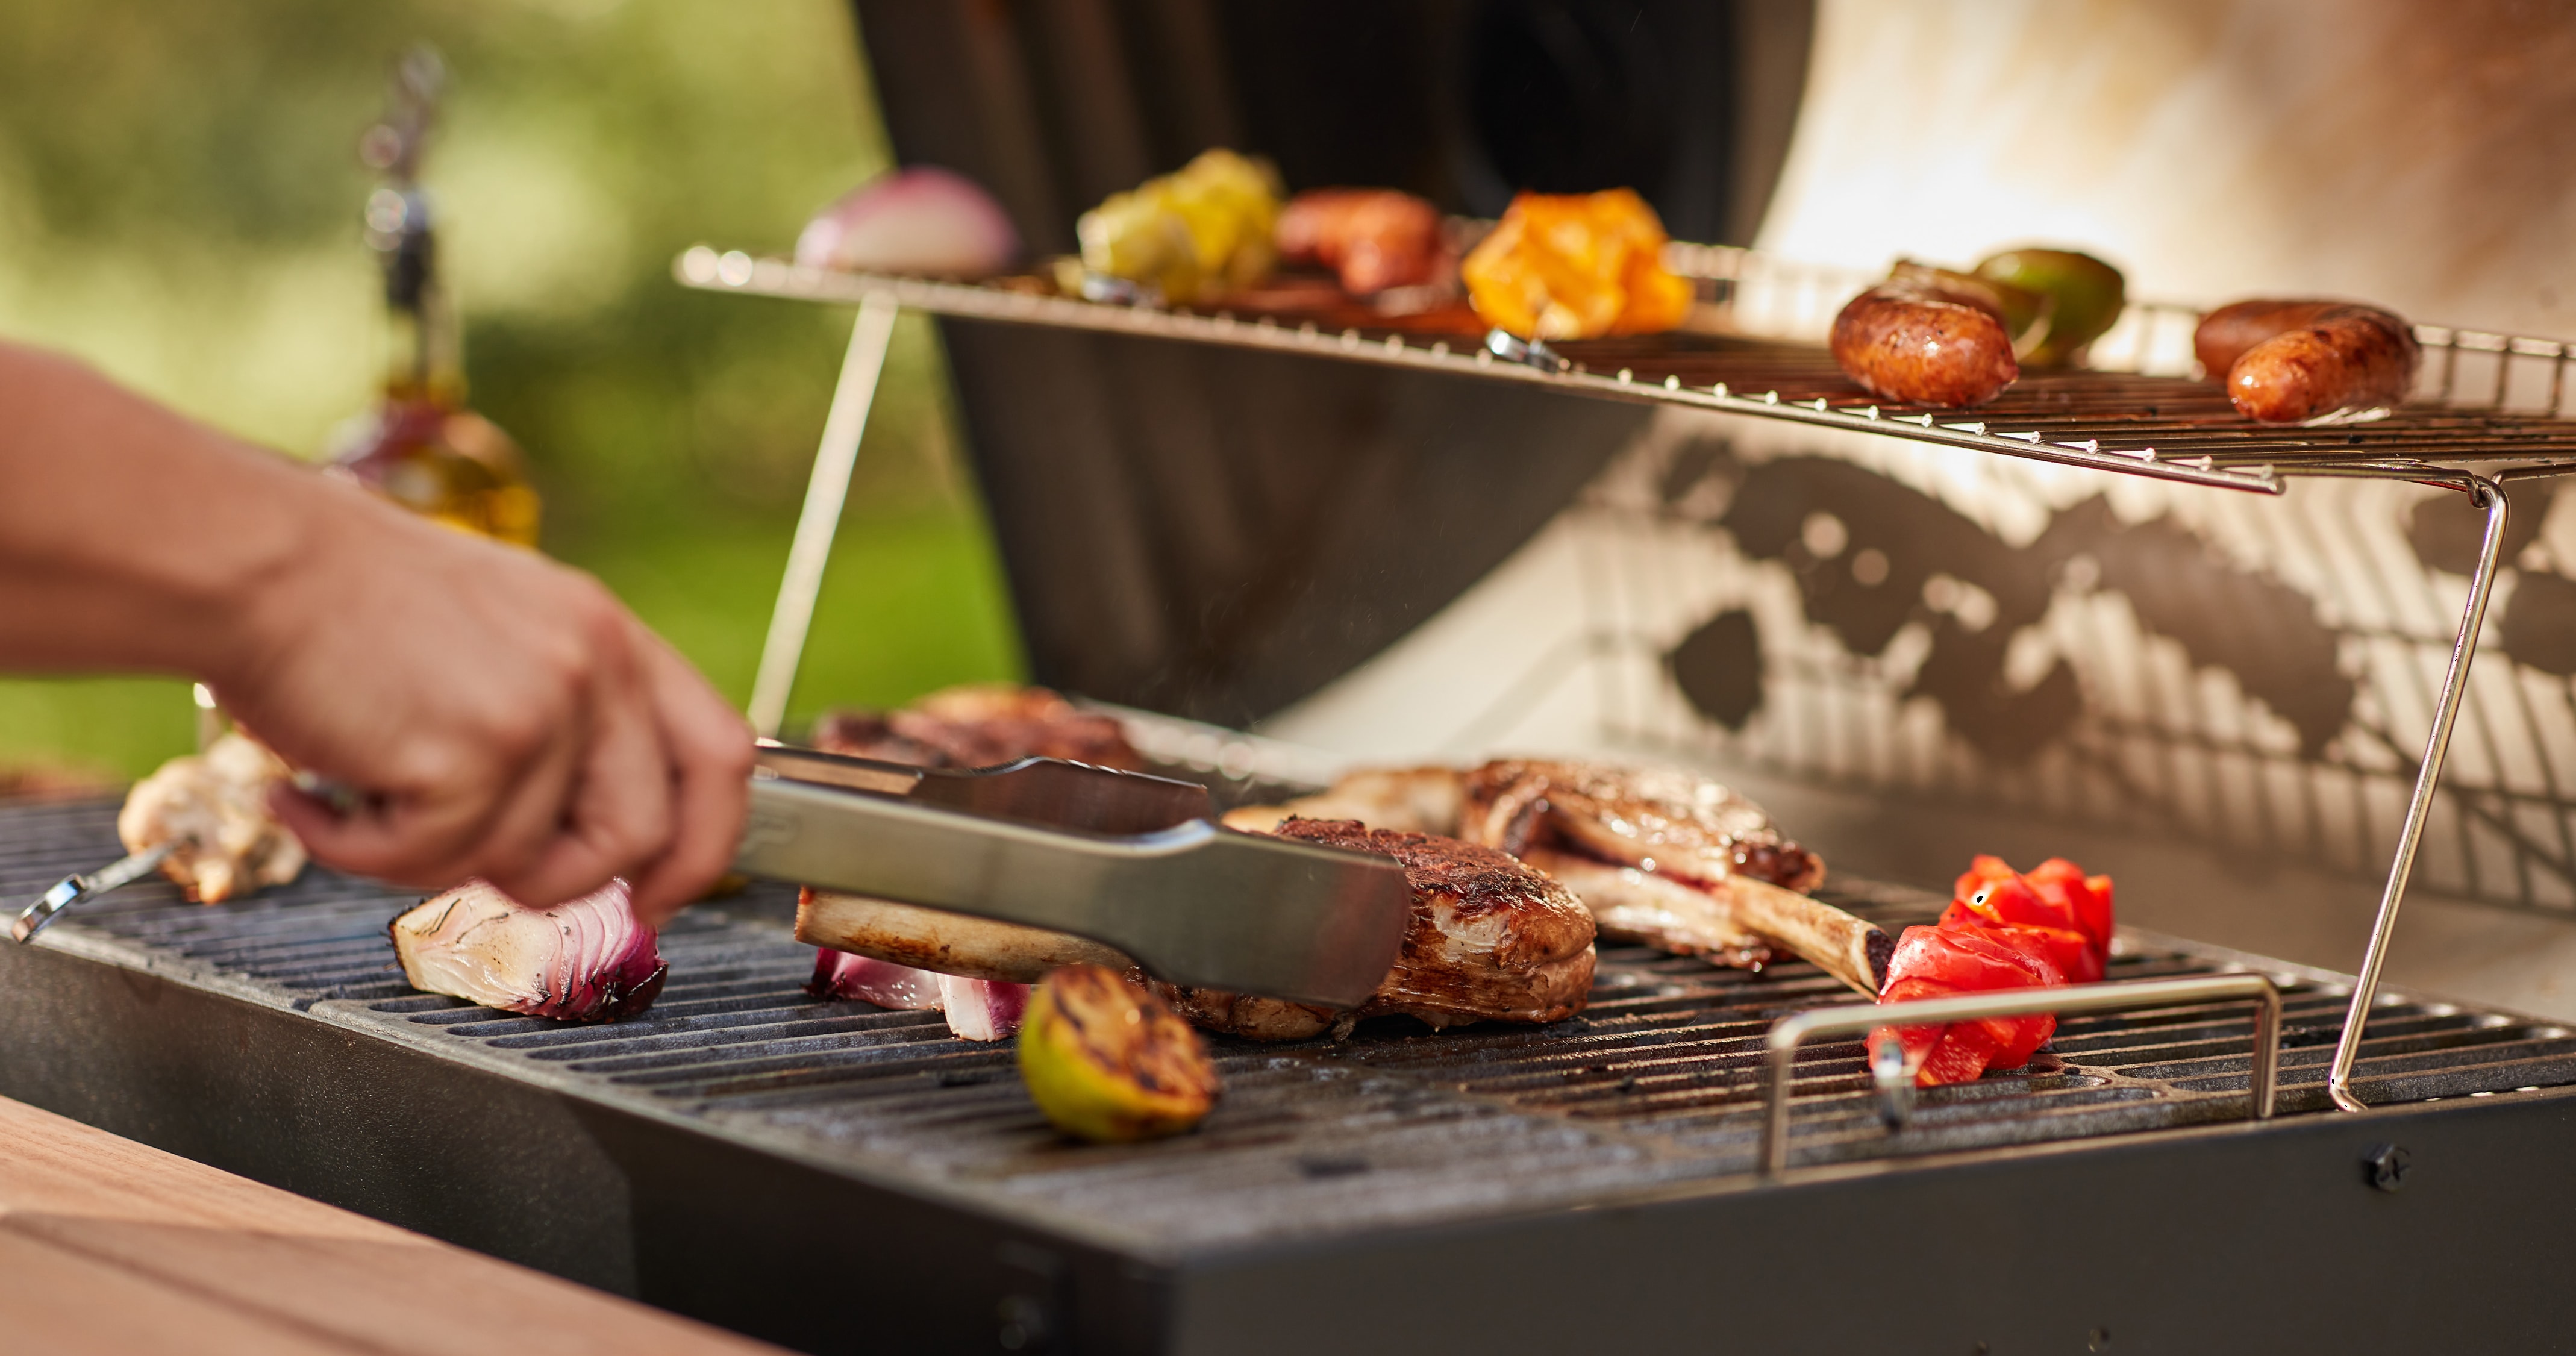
[(179, 195)]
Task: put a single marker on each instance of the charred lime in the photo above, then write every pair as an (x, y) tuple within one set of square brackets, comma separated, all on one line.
[(1110, 1062)]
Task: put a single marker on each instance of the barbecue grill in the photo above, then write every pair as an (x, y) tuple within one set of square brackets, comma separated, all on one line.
[(840, 1178)]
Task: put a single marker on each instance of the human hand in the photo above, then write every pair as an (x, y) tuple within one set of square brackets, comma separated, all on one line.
[(505, 716)]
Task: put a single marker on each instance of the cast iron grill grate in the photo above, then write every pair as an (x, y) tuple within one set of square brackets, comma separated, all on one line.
[(1657, 1083)]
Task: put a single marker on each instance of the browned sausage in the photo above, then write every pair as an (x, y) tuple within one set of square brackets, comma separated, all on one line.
[(2289, 361), (1924, 344), (2226, 333)]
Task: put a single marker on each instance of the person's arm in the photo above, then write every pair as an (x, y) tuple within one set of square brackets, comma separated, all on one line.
[(509, 719)]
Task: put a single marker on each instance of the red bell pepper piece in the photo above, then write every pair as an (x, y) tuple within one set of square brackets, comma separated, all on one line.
[(2070, 951), (2003, 930), (1932, 962), (2088, 896)]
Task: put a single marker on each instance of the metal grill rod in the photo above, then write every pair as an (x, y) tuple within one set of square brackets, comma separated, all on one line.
[(825, 493), (2487, 494), (1853, 1019)]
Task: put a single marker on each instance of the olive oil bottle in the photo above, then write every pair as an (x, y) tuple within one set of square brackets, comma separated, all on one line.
[(421, 445)]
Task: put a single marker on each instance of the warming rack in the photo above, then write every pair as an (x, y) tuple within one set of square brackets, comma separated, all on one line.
[(2487, 400)]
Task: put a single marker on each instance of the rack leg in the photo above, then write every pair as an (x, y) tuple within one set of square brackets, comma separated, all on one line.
[(824, 495), (2488, 495)]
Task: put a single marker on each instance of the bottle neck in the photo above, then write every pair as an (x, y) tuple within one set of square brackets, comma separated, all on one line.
[(423, 355)]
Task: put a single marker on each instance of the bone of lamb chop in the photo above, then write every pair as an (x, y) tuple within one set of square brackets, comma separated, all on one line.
[(1490, 940), (1672, 859), (215, 804)]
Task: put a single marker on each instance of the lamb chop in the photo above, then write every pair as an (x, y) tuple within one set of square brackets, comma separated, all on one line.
[(1406, 799), (214, 807), (1672, 859), (980, 725), (1659, 856), (1490, 940)]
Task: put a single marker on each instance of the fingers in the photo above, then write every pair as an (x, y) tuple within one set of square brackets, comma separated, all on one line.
[(711, 754), (509, 718), (616, 819)]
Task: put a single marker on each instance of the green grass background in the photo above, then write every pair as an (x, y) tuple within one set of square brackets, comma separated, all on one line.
[(179, 198)]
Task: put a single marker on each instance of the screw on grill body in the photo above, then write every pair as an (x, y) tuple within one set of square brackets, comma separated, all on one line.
[(1895, 1089), (2385, 1166)]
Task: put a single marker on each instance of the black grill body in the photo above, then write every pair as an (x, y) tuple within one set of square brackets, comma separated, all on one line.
[(839, 1178)]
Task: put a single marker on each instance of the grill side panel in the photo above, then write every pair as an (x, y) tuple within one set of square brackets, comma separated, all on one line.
[(2219, 1240)]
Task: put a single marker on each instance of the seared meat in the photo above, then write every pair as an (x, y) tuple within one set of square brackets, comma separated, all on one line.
[(981, 725), (1667, 835), (1679, 823), (1665, 913), (216, 803), (1491, 940), (1410, 799)]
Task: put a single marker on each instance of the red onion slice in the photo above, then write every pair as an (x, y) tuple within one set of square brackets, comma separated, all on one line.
[(585, 960), (920, 220), (842, 974), (977, 1009), (983, 1009)]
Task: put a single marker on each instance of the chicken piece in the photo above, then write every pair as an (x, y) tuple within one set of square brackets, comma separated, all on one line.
[(216, 805), (1491, 939), (1407, 799), (981, 725), (1666, 832)]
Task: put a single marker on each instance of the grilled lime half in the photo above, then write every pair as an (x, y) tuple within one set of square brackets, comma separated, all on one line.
[(1109, 1062)]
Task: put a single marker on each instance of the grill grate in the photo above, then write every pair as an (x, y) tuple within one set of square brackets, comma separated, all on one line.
[(1656, 1083)]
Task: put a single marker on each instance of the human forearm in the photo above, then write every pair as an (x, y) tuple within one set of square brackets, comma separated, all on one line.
[(130, 537), (507, 718)]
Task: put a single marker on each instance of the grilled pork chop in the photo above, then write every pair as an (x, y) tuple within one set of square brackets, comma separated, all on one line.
[(1490, 940)]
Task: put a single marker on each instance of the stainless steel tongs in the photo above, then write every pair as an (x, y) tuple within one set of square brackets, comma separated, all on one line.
[(1122, 858)]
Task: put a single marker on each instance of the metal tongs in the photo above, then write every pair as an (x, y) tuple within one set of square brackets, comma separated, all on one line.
[(1125, 859), (72, 890)]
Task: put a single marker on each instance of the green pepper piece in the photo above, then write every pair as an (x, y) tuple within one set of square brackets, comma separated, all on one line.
[(2088, 295)]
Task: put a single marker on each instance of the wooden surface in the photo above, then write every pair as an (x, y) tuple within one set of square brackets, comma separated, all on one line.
[(109, 1246)]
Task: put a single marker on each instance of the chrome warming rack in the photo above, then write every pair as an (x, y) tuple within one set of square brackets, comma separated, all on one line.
[(2488, 410)]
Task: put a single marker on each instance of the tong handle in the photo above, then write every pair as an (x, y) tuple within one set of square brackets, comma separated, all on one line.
[(72, 890), (1192, 903)]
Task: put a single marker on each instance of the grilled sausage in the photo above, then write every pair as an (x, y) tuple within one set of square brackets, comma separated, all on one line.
[(1923, 344), (2288, 361)]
